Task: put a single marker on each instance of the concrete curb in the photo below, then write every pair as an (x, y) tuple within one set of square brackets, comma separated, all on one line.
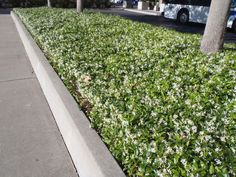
[(89, 154), (144, 12)]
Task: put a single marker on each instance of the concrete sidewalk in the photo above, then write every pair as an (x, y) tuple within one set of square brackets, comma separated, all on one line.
[(30, 142)]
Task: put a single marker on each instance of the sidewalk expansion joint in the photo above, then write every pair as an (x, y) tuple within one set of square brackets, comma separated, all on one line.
[(12, 80)]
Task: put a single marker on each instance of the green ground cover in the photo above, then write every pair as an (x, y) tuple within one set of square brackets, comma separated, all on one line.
[(162, 107)]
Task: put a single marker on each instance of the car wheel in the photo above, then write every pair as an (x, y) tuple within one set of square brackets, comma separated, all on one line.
[(234, 26), (183, 17)]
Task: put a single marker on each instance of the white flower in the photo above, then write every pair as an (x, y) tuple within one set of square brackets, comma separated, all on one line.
[(207, 137), (194, 129), (218, 162), (201, 154), (153, 114), (198, 149), (187, 102), (190, 122), (169, 150), (201, 133), (223, 139), (175, 116), (175, 85), (183, 161)]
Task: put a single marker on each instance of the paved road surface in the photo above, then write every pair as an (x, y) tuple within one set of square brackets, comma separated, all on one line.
[(193, 28), (30, 142)]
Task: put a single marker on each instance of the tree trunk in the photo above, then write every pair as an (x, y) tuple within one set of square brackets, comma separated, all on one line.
[(49, 3), (79, 6), (213, 38)]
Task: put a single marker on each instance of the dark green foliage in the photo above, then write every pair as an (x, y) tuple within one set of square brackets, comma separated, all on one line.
[(162, 107), (64, 3), (60, 3), (27, 3), (97, 3)]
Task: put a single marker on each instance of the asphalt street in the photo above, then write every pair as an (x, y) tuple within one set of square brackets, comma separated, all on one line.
[(193, 28)]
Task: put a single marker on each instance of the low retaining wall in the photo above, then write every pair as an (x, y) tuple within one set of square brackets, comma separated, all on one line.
[(89, 154)]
